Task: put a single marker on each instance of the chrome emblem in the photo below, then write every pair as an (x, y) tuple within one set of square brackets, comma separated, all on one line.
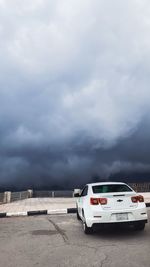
[(119, 200)]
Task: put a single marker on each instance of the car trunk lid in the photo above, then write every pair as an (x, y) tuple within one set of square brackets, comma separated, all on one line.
[(118, 201)]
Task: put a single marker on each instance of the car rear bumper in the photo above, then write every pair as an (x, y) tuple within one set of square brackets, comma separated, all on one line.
[(120, 223), (110, 217)]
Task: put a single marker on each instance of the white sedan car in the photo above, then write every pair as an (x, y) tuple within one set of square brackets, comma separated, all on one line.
[(110, 202)]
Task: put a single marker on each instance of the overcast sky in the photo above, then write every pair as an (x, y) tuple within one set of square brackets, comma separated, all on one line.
[(74, 90)]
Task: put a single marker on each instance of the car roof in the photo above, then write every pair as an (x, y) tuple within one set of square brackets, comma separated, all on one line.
[(104, 183)]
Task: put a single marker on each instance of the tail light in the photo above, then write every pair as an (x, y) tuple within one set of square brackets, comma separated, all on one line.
[(97, 201), (140, 198), (103, 201), (94, 201), (136, 199)]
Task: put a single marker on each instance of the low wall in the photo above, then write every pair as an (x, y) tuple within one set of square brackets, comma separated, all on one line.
[(58, 193), (42, 193), (140, 187), (7, 197), (1, 197), (18, 195), (63, 193)]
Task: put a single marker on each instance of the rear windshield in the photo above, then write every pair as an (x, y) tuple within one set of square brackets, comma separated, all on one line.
[(111, 188)]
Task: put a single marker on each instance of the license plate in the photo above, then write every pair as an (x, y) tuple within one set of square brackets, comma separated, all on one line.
[(122, 216)]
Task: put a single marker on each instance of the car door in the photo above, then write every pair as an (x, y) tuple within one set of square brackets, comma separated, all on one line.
[(82, 200)]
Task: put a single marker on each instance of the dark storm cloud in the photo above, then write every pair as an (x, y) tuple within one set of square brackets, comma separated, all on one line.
[(74, 90)]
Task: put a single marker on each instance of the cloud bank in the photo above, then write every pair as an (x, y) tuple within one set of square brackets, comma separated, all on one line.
[(74, 90)]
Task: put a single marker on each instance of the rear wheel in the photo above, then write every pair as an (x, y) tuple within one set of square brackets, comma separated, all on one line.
[(139, 226), (87, 230)]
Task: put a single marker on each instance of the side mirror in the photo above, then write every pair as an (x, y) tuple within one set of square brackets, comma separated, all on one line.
[(76, 194)]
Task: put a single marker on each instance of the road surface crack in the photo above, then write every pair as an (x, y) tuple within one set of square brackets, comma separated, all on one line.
[(60, 231), (104, 261)]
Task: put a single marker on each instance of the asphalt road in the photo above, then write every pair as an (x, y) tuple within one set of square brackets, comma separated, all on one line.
[(50, 241)]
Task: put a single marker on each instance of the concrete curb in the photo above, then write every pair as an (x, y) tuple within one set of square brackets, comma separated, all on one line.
[(73, 210), (43, 212), (16, 214), (2, 215), (62, 211), (37, 212)]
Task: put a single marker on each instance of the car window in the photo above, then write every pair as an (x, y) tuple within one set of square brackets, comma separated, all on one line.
[(111, 188), (84, 191)]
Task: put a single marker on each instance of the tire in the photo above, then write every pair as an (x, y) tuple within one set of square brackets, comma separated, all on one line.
[(78, 217), (87, 230), (139, 226)]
